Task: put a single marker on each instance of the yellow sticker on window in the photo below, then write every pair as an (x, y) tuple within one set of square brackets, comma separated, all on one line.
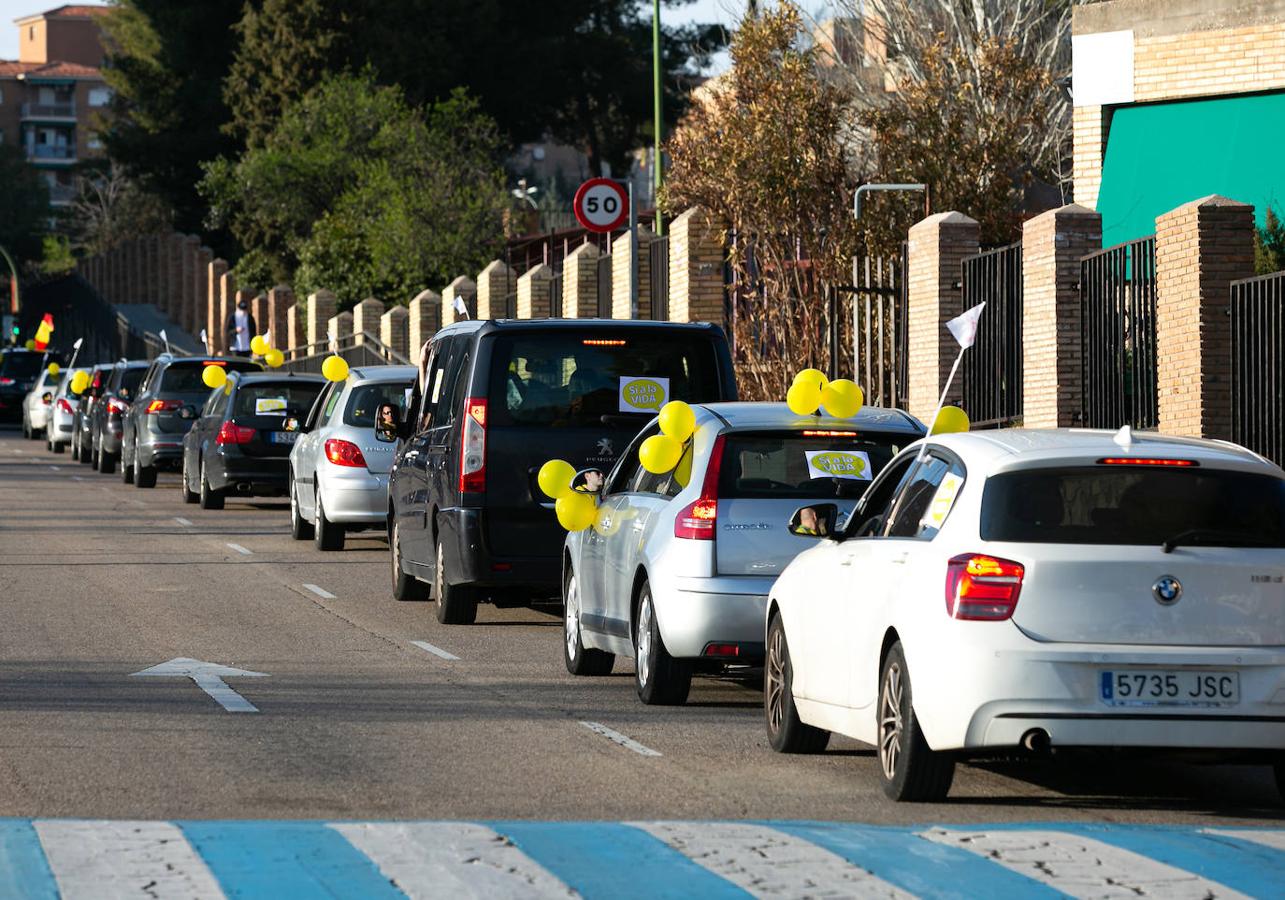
[(942, 501), (643, 394)]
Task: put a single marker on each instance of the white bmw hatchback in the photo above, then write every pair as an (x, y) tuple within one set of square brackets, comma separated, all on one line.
[(1039, 589)]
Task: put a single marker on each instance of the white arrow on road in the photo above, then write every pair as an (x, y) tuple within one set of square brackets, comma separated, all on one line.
[(209, 678)]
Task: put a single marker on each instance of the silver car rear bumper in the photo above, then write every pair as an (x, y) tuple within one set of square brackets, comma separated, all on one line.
[(696, 612), (353, 496)]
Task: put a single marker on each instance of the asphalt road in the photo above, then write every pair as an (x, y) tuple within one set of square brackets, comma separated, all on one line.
[(99, 580)]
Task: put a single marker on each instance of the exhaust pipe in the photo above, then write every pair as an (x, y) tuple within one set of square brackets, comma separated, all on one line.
[(1037, 741), (243, 488)]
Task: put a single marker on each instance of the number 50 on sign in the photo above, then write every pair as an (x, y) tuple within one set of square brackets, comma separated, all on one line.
[(601, 205)]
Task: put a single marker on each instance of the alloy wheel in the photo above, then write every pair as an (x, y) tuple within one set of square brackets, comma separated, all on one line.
[(644, 642), (776, 680), (572, 619), (890, 721)]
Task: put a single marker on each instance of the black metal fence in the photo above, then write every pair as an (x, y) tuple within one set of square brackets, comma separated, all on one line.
[(604, 286), (555, 295), (1258, 365), (991, 372), (879, 337), (1118, 336), (659, 250)]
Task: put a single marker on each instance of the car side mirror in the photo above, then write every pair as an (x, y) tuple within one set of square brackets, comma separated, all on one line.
[(588, 481), (815, 521), (387, 423)]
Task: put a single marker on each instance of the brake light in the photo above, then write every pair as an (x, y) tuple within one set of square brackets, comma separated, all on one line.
[(982, 588), (1131, 461), (722, 650), (116, 407), (698, 521), (344, 453), (159, 406), (842, 434), (64, 406), (473, 446), (603, 342), (98, 380), (5, 382), (232, 433)]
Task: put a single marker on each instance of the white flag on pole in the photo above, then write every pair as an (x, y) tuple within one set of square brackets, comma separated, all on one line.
[(460, 307), (79, 341), (205, 339), (164, 337), (964, 327)]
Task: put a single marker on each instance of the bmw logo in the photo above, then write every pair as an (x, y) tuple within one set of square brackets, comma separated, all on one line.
[(1167, 590)]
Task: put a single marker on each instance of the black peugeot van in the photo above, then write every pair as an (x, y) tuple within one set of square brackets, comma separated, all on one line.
[(497, 401)]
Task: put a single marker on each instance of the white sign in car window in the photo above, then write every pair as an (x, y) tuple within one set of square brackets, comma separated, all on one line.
[(942, 501), (640, 394), (854, 464), (270, 406)]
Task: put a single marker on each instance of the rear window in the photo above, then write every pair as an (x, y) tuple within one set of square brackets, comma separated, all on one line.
[(795, 465), (560, 379), (130, 379), (360, 412), (185, 377), (292, 398), (1125, 505), (20, 366)]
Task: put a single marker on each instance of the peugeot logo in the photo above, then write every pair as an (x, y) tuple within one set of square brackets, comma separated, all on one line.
[(1167, 590), (605, 447)]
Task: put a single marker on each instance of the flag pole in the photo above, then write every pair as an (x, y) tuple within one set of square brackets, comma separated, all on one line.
[(941, 402)]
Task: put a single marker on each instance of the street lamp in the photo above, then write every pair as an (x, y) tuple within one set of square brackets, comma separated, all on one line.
[(522, 192)]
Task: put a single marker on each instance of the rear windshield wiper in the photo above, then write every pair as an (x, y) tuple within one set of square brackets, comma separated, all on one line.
[(1234, 538)]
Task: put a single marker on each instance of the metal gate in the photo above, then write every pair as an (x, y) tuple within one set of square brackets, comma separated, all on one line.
[(1118, 336), (879, 336), (991, 371), (1258, 365)]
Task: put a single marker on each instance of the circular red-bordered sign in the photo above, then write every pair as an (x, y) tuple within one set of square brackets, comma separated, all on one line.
[(601, 205)]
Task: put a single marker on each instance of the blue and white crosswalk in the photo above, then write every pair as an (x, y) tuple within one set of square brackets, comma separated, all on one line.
[(101, 859)]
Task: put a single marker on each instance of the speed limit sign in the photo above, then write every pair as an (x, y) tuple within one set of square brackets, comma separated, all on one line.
[(601, 205)]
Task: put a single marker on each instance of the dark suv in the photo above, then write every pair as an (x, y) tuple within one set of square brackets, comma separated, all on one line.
[(19, 369), (501, 398), (168, 402), (107, 418)]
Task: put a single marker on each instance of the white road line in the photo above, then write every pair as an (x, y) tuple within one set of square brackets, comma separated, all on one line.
[(438, 651), (768, 863), (320, 592), (182, 521), (1274, 839), (239, 549), (617, 738), (452, 859), (1080, 866), (104, 860), (56, 468), (76, 478)]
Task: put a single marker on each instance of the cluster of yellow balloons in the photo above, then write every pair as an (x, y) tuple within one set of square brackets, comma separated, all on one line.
[(79, 382), (214, 376), (811, 390), (951, 420), (335, 368), (665, 452), (272, 357), (576, 510)]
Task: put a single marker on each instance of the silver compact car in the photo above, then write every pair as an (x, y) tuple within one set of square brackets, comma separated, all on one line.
[(37, 404), (62, 412), (338, 469), (676, 569)]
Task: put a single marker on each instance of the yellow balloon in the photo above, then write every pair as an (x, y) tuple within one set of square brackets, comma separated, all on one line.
[(555, 478), (951, 420), (274, 358), (214, 376), (54, 370), (335, 368), (30, 345), (677, 420), (259, 345), (659, 454), (576, 511), (79, 382), (803, 398), (683, 472), (842, 398), (811, 376)]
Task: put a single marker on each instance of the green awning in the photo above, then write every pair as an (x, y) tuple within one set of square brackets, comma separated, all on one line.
[(1161, 155)]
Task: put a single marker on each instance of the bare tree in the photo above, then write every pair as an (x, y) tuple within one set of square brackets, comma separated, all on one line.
[(110, 207)]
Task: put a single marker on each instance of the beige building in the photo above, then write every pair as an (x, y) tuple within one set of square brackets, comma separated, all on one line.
[(51, 95)]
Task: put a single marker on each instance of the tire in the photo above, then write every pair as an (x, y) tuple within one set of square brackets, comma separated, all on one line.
[(300, 528), (1280, 778), (209, 497), (75, 450), (911, 771), (106, 462), (144, 476), (456, 603), (406, 588), (26, 430), (95, 456), (189, 495), (580, 659), (87, 454), (326, 535), (661, 680), (786, 732), (56, 447)]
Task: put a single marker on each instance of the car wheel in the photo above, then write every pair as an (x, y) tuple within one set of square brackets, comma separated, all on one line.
[(95, 457), (661, 680), (456, 603), (580, 659), (189, 495), (910, 769), (75, 450), (209, 497), (106, 462), (144, 476), (786, 732), (300, 528), (26, 429), (406, 588), (326, 535), (55, 447)]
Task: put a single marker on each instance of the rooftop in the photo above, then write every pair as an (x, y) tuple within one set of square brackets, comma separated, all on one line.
[(13, 69), (67, 11)]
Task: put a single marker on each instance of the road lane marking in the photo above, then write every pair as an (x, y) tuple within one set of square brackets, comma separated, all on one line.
[(98, 859), (768, 863), (182, 521), (56, 468), (425, 645), (320, 592), (1081, 866), (451, 859), (209, 678), (1272, 839), (617, 738), (239, 549)]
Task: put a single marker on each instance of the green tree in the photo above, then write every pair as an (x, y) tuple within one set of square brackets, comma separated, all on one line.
[(1269, 245), (24, 200)]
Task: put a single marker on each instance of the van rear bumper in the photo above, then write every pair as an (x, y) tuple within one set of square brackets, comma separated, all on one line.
[(470, 561)]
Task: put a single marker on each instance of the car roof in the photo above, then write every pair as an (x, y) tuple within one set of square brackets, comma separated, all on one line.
[(134, 363), (244, 378), (470, 326), (778, 415), (380, 374)]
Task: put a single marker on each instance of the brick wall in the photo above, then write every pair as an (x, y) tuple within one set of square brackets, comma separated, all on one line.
[(534, 289), (620, 262), (494, 284), (425, 318), (696, 268), (580, 283)]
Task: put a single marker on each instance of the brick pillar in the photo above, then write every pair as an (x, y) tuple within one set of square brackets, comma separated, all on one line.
[(201, 279), (938, 245), (227, 303), (321, 307), (580, 283), (365, 318), (696, 268), (1052, 246), (214, 303), (259, 310), (1201, 247), (463, 288), (187, 249), (620, 258), (425, 318), (295, 334), (494, 284), (337, 328), (534, 289), (393, 330), (280, 298), (1089, 137)]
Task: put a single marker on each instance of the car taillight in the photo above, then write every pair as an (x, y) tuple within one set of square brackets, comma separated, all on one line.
[(116, 407), (5, 382), (159, 406), (64, 406), (698, 520), (982, 587), (232, 433), (473, 447), (344, 453)]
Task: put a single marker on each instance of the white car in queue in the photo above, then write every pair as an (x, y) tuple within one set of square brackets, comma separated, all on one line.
[(1039, 589), (676, 575)]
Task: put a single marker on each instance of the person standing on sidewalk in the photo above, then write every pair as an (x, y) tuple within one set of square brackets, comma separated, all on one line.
[(240, 328)]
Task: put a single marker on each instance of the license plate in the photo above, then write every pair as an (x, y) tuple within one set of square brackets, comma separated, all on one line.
[(1169, 687), (284, 437)]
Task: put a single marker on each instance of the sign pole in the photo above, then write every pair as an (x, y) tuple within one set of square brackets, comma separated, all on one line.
[(15, 305), (633, 254), (657, 164)]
